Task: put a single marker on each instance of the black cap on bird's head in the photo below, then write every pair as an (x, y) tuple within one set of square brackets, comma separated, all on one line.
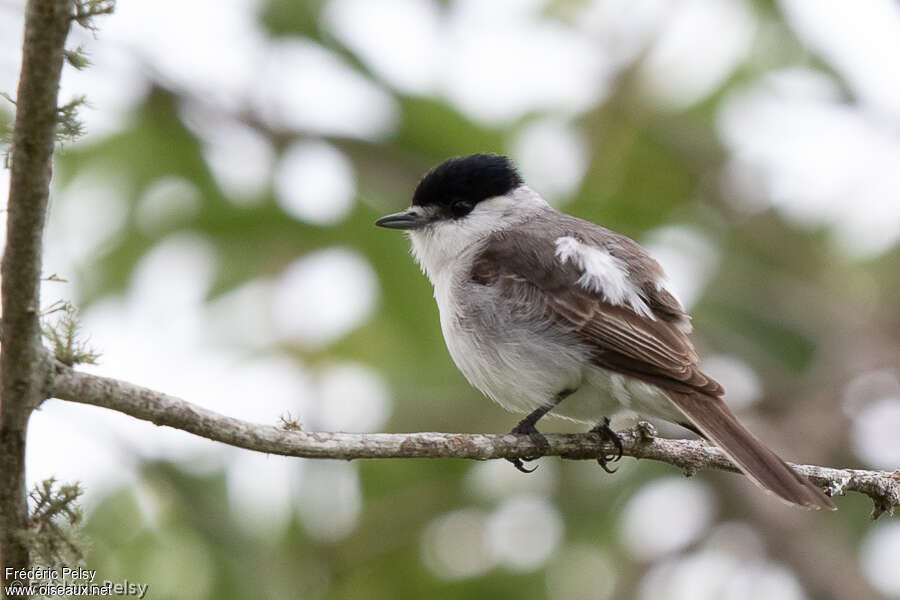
[(470, 179), (453, 188)]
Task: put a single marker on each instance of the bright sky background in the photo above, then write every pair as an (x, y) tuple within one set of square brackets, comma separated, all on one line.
[(820, 151)]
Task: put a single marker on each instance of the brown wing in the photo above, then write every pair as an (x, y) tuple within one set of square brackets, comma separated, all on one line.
[(522, 265), (659, 352)]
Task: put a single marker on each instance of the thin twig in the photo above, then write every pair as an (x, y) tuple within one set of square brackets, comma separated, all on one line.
[(688, 455)]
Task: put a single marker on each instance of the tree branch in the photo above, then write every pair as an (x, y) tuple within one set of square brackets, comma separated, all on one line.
[(23, 363), (688, 455)]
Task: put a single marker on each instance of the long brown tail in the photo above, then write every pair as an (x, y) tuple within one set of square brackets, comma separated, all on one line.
[(716, 421)]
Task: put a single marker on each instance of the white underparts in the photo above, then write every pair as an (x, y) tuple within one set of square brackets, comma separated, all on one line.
[(602, 273)]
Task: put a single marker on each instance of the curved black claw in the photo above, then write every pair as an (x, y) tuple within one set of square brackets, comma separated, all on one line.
[(517, 463), (526, 427), (607, 434)]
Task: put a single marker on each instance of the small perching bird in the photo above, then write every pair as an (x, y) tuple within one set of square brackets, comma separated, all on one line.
[(543, 312)]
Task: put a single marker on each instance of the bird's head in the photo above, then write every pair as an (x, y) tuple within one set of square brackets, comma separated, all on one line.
[(452, 190), (460, 202)]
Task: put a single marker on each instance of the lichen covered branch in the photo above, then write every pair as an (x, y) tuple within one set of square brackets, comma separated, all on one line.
[(23, 362), (688, 455)]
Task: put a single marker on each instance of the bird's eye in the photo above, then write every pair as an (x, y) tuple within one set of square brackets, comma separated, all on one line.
[(461, 208)]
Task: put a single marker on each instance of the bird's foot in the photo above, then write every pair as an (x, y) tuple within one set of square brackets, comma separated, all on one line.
[(607, 434), (526, 427)]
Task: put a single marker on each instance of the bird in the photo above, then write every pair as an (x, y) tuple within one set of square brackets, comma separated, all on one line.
[(547, 313)]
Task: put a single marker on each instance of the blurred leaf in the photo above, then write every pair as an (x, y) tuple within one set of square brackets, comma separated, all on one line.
[(288, 17), (434, 129), (783, 345), (634, 181)]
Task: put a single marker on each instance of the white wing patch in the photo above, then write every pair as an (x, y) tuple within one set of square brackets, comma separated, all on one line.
[(602, 273)]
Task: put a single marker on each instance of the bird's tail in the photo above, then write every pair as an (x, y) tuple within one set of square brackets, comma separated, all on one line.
[(716, 421)]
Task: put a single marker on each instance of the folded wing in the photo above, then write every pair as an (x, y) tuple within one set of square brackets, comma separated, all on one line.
[(645, 336)]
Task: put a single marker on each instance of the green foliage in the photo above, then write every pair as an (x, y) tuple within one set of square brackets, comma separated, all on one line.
[(68, 126), (64, 337), (54, 534), (77, 58), (434, 130), (284, 17)]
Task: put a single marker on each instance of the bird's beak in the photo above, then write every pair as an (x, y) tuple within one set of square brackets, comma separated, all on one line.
[(405, 219)]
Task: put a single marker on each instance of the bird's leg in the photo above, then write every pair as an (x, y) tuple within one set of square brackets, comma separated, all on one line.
[(527, 427), (607, 434)]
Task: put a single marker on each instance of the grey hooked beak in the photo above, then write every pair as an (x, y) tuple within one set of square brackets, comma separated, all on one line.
[(405, 219)]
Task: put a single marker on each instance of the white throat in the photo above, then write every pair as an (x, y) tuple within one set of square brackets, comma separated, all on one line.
[(439, 246)]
